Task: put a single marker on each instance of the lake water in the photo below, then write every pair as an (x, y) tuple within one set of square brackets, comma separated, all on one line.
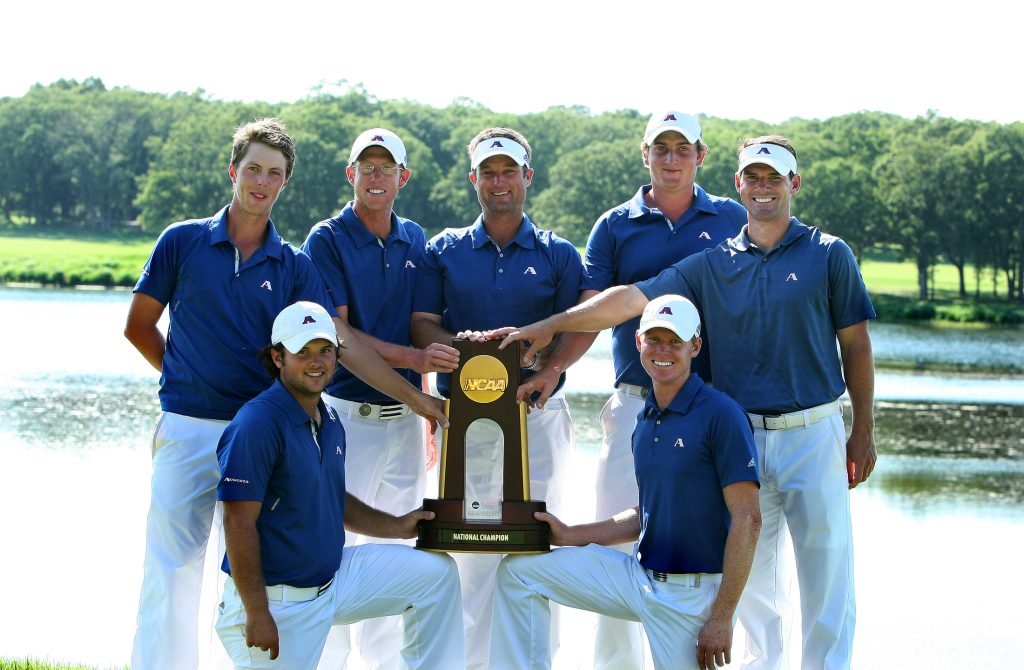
[(939, 528)]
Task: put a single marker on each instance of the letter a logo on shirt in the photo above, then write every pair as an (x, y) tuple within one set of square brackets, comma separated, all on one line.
[(704, 235), (529, 270), (266, 285), (791, 277), (410, 264), (338, 448), (679, 443)]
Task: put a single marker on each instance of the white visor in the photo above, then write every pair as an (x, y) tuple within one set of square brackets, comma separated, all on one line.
[(772, 155), (499, 146)]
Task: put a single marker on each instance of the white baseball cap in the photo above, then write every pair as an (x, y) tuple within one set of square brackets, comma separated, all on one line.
[(673, 312), (776, 157), (499, 146), (300, 323), (684, 124), (379, 137)]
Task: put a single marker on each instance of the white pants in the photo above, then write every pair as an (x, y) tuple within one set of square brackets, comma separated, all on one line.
[(372, 581), (175, 620), (599, 579), (803, 489), (551, 442), (385, 467), (618, 644)]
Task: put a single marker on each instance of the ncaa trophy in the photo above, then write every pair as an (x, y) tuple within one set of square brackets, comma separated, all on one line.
[(484, 501)]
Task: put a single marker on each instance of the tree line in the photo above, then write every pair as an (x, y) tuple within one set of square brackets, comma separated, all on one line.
[(930, 189)]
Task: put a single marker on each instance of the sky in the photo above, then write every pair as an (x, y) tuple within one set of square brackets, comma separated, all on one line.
[(739, 60)]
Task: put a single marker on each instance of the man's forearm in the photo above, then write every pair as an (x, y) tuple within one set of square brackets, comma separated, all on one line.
[(739, 556), (243, 549), (395, 355), (365, 520), (608, 308), (619, 529), (425, 331), (364, 362), (859, 373)]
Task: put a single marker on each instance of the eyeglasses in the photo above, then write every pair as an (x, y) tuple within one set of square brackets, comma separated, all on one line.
[(368, 168)]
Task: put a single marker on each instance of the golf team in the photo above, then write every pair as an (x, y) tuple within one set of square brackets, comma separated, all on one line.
[(297, 433)]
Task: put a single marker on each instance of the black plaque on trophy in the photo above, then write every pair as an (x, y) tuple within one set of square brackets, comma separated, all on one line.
[(484, 489)]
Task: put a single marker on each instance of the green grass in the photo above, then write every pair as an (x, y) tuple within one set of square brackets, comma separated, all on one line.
[(33, 664), (900, 278), (67, 261), (71, 258)]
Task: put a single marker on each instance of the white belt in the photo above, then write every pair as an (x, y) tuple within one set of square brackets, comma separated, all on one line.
[(633, 389), (683, 579), (369, 410), (800, 419), (282, 593)]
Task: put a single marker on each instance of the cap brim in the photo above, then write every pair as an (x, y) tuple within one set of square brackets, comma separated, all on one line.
[(295, 343), (668, 325), (477, 160), (653, 135)]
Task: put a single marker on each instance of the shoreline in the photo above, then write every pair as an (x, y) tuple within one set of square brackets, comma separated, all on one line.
[(887, 365)]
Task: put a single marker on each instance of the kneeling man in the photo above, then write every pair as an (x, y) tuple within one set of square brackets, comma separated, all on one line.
[(282, 462), (697, 522)]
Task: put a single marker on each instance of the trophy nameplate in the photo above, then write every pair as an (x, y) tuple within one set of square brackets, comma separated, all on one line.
[(481, 509)]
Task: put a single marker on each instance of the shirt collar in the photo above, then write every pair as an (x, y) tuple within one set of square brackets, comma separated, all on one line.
[(361, 236), (683, 400), (742, 241), (297, 416), (525, 237), (272, 246), (638, 205)]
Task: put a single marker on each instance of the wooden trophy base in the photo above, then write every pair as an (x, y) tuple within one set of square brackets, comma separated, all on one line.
[(517, 532)]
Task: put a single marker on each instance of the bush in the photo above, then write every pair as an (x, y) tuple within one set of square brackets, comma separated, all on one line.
[(919, 310)]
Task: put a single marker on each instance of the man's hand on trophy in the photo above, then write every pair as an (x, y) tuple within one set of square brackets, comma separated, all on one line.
[(406, 525), (536, 336), (436, 357), (536, 390), (560, 534), (472, 335), (431, 409)]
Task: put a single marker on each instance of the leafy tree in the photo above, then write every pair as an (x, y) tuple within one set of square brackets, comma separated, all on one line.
[(911, 178), (840, 198), (188, 178), (586, 182)]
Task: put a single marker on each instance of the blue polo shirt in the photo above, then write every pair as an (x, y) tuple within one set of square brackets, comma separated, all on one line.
[(375, 279), (684, 456), (633, 242), (268, 453), (772, 315), (221, 312), (474, 285)]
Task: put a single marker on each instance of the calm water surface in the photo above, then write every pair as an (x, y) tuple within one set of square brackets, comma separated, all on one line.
[(939, 527)]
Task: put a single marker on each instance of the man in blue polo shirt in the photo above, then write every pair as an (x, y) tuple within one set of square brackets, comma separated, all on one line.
[(499, 271), (667, 220), (282, 463), (697, 522), (224, 279), (776, 300), (369, 258)]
